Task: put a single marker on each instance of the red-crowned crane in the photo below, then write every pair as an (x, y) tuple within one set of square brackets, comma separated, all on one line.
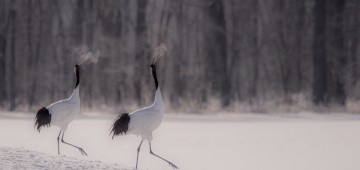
[(144, 121), (61, 113)]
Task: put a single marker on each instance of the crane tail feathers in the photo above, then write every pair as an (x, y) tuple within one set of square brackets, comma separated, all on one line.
[(43, 118), (121, 125)]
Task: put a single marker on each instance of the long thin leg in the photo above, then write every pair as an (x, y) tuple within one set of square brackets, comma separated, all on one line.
[(80, 149), (58, 140), (152, 153), (137, 156)]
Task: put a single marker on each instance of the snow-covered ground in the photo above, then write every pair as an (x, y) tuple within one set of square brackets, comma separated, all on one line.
[(245, 141), (20, 158)]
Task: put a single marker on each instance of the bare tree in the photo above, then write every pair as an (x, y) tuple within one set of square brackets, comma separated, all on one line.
[(319, 52), (216, 49)]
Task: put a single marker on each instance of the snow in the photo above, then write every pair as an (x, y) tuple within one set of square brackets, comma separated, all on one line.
[(225, 141), (19, 158)]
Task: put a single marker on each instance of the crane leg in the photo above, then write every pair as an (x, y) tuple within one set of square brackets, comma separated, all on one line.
[(80, 149), (137, 156), (58, 141), (171, 164)]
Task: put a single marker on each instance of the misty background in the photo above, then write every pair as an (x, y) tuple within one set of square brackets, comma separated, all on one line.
[(232, 55)]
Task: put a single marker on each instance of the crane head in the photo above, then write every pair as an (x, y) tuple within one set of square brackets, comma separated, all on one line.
[(76, 68)]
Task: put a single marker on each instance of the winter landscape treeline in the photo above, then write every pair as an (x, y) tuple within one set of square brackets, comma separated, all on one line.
[(237, 55)]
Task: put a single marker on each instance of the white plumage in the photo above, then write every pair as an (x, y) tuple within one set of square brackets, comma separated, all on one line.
[(61, 113), (147, 119), (65, 111)]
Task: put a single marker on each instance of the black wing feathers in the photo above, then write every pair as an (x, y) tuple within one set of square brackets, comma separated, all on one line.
[(121, 124), (43, 118)]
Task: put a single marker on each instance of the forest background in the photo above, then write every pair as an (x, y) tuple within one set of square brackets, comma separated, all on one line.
[(224, 55)]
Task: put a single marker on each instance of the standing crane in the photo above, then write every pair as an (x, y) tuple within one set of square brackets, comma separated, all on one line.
[(144, 121), (61, 113)]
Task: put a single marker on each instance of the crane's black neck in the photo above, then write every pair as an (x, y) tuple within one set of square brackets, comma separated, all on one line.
[(77, 74), (153, 73)]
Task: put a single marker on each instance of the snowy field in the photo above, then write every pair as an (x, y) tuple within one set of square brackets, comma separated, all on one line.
[(245, 141)]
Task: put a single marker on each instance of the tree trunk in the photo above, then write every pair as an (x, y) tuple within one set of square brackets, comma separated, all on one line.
[(340, 96), (354, 45), (319, 52), (217, 49), (34, 61), (12, 64), (141, 46), (255, 52), (3, 34), (2, 67)]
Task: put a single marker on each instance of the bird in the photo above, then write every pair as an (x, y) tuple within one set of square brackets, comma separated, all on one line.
[(61, 113), (144, 121)]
